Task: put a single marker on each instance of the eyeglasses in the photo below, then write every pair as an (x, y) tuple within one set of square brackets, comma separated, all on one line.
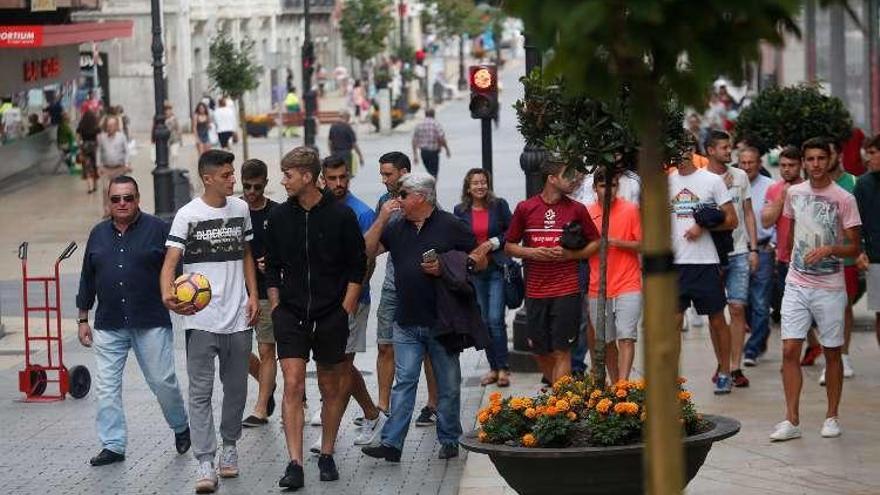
[(128, 198), (403, 194), (255, 187)]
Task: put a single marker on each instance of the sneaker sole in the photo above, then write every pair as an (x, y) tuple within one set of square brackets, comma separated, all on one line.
[(227, 473), (206, 489), (785, 438)]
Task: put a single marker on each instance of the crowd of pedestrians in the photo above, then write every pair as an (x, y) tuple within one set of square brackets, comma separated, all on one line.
[(295, 277)]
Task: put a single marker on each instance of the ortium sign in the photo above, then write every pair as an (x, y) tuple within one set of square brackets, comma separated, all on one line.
[(21, 36)]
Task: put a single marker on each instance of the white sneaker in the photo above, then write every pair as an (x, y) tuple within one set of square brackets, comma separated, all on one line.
[(848, 371), (830, 428), (785, 431), (316, 418), (694, 320), (206, 479), (750, 362), (822, 377), (229, 462), (371, 429), (316, 447)]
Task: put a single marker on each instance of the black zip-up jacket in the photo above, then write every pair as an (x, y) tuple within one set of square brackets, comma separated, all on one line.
[(312, 255)]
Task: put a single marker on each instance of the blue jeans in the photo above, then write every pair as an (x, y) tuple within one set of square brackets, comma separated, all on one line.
[(490, 296), (410, 346), (154, 350), (760, 285)]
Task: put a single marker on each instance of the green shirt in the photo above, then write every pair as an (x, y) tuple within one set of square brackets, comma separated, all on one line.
[(848, 182)]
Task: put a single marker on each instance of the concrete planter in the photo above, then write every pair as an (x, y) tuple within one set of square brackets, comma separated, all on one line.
[(591, 470)]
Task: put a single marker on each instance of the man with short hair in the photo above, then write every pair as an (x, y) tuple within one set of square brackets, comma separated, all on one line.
[(254, 177), (761, 279), (696, 257), (316, 266), (392, 167), (743, 260), (112, 156), (210, 236), (428, 139), (342, 141), (415, 240), (553, 294), (351, 381), (867, 193), (824, 217), (121, 267)]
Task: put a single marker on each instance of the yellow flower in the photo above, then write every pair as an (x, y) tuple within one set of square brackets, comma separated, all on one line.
[(530, 413), (529, 440), (482, 436), (527, 402), (684, 395), (603, 406), (563, 405), (639, 384), (495, 397), (595, 394), (571, 415), (516, 404), (621, 393)]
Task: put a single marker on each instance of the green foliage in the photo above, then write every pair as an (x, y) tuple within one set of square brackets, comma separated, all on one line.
[(453, 17), (232, 69), (783, 116), (552, 431), (365, 25)]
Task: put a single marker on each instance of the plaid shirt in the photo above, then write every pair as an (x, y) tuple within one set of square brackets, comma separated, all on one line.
[(428, 135)]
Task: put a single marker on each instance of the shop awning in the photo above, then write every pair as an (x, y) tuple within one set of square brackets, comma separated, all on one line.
[(63, 34)]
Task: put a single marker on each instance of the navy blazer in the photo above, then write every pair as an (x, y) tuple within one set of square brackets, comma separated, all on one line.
[(499, 221)]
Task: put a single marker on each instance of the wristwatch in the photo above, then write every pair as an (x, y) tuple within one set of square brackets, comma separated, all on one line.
[(80, 321)]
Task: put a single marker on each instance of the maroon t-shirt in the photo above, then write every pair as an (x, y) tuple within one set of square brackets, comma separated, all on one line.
[(538, 224)]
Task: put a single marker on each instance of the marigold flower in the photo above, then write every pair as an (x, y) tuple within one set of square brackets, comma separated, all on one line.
[(591, 403), (571, 415), (483, 417), (622, 384), (684, 395), (595, 394), (529, 440), (563, 405), (681, 380), (527, 402), (495, 397), (639, 384), (496, 409), (621, 393), (516, 403), (630, 408), (551, 411), (482, 436), (603, 406), (530, 413)]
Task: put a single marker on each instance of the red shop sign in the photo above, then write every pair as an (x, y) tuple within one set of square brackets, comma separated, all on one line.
[(47, 68), (21, 36)]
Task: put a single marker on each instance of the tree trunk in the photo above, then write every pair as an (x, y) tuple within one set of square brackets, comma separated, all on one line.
[(243, 126), (601, 322), (664, 460)]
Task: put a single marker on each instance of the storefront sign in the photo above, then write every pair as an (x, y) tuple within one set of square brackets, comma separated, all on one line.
[(46, 68), (21, 36)]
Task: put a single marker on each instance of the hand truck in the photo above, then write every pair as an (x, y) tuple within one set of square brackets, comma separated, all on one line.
[(33, 381)]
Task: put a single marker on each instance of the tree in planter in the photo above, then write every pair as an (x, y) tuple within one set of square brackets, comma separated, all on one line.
[(600, 46), (791, 115), (365, 26), (232, 70), (455, 18)]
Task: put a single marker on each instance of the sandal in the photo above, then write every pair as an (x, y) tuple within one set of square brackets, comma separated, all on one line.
[(489, 378), (504, 378)]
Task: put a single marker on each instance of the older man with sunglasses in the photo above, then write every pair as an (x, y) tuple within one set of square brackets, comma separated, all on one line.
[(121, 266)]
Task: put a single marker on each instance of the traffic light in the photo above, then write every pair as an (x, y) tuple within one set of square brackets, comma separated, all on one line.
[(484, 91)]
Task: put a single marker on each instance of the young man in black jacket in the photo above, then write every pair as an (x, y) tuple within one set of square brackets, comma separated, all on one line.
[(316, 263)]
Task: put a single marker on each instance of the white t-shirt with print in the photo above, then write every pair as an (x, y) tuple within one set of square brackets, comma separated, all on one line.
[(213, 241), (740, 190), (686, 194)]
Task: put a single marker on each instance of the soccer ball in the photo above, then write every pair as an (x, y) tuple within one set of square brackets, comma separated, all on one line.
[(193, 288)]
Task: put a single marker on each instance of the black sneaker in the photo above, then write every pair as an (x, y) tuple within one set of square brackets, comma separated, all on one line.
[(382, 451), (328, 468), (427, 417), (293, 477), (182, 441), (448, 451), (105, 457), (270, 404)]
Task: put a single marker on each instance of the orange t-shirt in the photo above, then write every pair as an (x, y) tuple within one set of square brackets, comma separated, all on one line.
[(624, 266)]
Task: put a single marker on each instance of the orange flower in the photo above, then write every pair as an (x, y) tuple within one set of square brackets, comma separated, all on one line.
[(595, 394), (684, 396), (563, 405), (529, 440), (551, 411), (482, 436), (530, 413), (516, 403), (495, 397), (527, 403), (484, 416), (571, 415), (630, 408), (639, 384), (591, 403), (622, 384), (681, 380), (496, 409), (621, 393), (603, 406)]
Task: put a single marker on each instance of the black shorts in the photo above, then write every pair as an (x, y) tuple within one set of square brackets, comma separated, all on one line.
[(702, 285), (325, 338), (553, 323), (224, 138)]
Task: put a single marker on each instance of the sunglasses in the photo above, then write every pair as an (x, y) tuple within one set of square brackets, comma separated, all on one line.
[(128, 198), (255, 187)]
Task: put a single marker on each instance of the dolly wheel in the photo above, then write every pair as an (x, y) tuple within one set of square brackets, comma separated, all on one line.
[(80, 381), (38, 381)]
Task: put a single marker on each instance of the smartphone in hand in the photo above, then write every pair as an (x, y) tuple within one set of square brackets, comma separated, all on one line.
[(429, 256)]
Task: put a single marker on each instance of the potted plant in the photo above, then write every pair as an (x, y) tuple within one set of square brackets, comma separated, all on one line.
[(573, 427)]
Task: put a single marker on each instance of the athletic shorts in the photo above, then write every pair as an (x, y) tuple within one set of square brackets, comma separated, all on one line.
[(325, 338), (802, 305), (851, 276), (702, 285), (873, 280), (623, 315), (263, 329), (357, 329), (385, 316), (736, 279), (553, 322)]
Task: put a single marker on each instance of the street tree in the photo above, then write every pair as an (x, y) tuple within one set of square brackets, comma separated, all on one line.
[(233, 72), (601, 46), (365, 26)]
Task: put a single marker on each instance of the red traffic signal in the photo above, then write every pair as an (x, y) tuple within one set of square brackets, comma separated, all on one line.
[(483, 78)]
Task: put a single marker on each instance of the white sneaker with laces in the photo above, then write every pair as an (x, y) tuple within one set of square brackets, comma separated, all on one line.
[(371, 429), (785, 431), (830, 428), (822, 377), (316, 418), (750, 362), (229, 462), (316, 446), (206, 479), (848, 371)]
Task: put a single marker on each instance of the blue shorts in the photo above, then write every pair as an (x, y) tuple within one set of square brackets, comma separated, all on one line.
[(736, 279), (385, 316), (702, 286)]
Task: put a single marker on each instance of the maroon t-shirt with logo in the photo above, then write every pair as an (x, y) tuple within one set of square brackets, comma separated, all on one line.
[(538, 224)]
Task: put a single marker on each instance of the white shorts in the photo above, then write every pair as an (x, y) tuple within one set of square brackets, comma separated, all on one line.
[(624, 312), (872, 277), (802, 305), (357, 329)]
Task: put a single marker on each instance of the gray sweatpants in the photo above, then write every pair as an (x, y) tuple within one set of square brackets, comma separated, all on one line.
[(233, 351)]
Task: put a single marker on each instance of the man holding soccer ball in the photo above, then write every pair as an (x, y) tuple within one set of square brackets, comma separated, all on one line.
[(210, 235)]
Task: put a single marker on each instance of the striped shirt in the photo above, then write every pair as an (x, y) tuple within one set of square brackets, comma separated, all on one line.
[(428, 135)]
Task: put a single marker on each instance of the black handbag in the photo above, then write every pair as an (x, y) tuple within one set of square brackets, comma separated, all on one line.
[(573, 236), (514, 285)]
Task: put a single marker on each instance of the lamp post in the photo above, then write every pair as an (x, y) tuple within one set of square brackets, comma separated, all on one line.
[(162, 179), (462, 80), (310, 98), (404, 99)]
